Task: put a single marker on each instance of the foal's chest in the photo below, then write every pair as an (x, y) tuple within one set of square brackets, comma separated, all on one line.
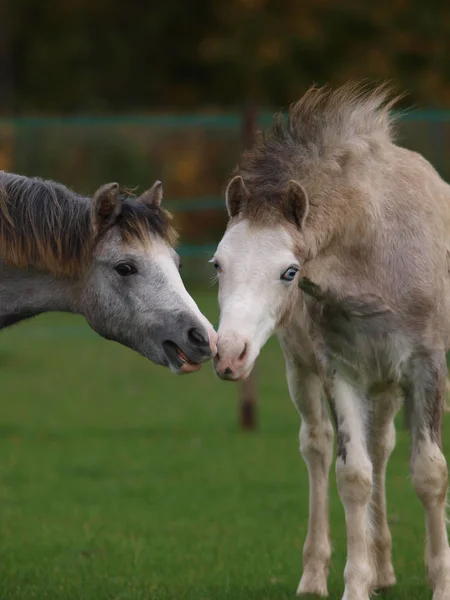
[(360, 338)]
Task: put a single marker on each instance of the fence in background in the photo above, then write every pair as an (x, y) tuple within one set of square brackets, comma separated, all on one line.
[(192, 154)]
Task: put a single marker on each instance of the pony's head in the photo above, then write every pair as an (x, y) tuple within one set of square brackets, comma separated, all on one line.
[(113, 256), (132, 292)]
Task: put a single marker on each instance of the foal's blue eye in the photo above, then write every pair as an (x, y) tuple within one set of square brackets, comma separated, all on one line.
[(289, 274), (216, 265)]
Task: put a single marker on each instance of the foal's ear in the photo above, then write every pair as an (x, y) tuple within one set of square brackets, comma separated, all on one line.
[(105, 207), (296, 203), (153, 196), (235, 195)]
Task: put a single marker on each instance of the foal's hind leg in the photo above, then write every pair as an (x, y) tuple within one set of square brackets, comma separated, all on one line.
[(316, 446), (381, 442), (424, 399)]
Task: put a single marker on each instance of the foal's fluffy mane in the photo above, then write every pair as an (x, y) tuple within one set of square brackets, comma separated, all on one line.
[(321, 129), (45, 225)]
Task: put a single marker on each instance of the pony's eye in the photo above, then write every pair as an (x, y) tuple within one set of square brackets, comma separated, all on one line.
[(217, 267), (125, 269), (289, 274)]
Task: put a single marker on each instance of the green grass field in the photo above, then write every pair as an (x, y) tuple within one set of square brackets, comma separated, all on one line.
[(121, 481)]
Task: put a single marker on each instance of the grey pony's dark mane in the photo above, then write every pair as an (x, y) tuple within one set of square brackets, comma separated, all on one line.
[(44, 224)]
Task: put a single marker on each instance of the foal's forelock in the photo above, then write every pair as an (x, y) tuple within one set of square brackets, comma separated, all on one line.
[(324, 132), (47, 226)]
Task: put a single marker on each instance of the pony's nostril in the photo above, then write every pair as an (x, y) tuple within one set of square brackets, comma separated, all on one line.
[(243, 353), (198, 337), (228, 371)]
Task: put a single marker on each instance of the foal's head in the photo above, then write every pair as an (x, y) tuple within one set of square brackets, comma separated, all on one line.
[(305, 186), (257, 265), (132, 292)]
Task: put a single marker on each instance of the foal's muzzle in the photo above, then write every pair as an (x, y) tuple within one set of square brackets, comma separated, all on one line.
[(231, 361)]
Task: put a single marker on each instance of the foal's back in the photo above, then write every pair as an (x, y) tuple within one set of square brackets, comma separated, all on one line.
[(413, 246)]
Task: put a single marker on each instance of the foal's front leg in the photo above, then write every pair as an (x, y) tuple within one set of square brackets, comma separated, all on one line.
[(316, 446), (354, 480), (381, 443), (424, 400)]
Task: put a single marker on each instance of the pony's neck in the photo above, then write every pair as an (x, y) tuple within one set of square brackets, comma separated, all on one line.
[(29, 291)]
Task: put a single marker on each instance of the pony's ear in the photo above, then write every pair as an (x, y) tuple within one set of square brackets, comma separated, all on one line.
[(153, 196), (236, 195), (106, 206), (296, 203)]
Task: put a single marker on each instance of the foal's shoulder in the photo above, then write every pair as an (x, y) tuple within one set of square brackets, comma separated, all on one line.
[(331, 306)]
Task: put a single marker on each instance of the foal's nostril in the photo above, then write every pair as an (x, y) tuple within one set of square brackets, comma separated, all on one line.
[(198, 337), (243, 353), (228, 372)]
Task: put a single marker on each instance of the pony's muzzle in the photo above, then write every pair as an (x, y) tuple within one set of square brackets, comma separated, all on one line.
[(199, 343), (199, 338), (231, 363), (204, 340), (187, 342)]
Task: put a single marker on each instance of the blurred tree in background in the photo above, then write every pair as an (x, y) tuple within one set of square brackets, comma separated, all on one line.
[(98, 56)]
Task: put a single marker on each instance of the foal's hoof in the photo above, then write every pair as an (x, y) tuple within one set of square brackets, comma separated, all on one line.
[(312, 583), (385, 578)]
